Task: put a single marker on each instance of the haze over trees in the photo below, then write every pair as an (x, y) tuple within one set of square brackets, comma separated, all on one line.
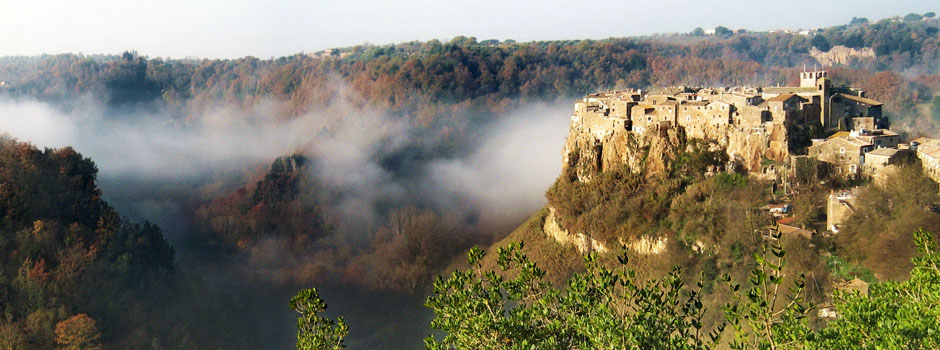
[(75, 274)]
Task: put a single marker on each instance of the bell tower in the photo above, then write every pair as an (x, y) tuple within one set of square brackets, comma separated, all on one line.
[(809, 79)]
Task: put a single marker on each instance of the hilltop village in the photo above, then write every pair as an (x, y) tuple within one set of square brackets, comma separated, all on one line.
[(762, 129), (765, 132), (754, 124)]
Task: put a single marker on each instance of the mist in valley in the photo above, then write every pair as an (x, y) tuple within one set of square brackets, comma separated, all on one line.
[(162, 167)]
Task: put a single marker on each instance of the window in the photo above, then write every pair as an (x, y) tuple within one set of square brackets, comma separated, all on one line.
[(842, 150)]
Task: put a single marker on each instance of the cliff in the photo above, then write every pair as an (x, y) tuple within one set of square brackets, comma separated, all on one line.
[(653, 149)]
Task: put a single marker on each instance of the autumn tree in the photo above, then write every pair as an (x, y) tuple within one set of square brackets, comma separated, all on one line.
[(79, 332)]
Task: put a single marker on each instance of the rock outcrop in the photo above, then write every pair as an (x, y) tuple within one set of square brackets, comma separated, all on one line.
[(585, 244), (841, 55)]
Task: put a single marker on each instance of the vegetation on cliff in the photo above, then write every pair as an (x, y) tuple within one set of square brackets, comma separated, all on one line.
[(71, 267), (513, 307)]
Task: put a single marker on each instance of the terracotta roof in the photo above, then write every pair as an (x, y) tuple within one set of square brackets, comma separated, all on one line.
[(867, 101), (786, 220), (838, 135)]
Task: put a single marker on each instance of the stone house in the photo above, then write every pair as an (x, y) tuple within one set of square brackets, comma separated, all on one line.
[(845, 107), (928, 151), (846, 154), (876, 164)]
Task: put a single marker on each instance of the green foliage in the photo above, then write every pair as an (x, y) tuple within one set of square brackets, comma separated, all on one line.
[(847, 271), (858, 21), (768, 314), (723, 32), (315, 332), (913, 17), (514, 308), (894, 315), (821, 43)]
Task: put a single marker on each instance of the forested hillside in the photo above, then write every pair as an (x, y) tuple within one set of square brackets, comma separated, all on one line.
[(74, 274), (430, 81), (366, 198), (71, 267)]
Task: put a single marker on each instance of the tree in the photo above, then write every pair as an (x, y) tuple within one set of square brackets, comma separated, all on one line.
[(79, 332), (313, 331), (809, 206), (858, 21), (11, 337), (515, 308), (762, 317), (913, 17), (820, 43), (722, 31), (930, 14), (894, 315), (698, 31)]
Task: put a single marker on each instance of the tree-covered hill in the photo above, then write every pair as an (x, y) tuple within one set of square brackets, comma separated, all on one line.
[(74, 274), (429, 80), (69, 262)]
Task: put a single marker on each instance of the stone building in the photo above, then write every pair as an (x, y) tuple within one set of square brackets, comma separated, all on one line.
[(876, 164), (750, 123), (845, 153), (928, 151), (836, 107)]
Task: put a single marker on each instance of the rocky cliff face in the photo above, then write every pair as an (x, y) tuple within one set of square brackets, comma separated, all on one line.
[(589, 152), (841, 55), (597, 142)]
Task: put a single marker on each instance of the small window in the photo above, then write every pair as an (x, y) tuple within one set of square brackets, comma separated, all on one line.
[(842, 150)]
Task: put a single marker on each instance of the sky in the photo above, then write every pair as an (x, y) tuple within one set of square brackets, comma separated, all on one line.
[(274, 28)]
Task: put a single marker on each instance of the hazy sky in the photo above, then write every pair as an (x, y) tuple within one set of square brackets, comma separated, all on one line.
[(237, 28)]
